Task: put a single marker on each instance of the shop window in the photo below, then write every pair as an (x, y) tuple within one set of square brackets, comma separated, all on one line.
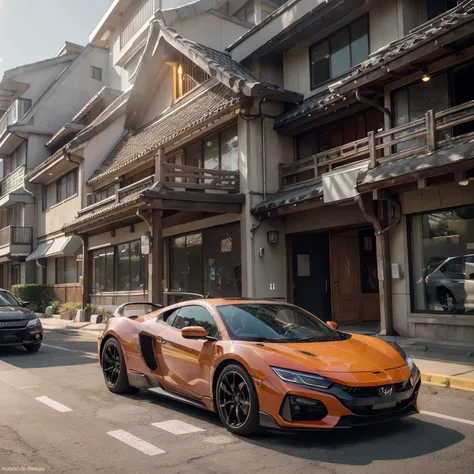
[(68, 270), (340, 52), (66, 186), (442, 261), (119, 268)]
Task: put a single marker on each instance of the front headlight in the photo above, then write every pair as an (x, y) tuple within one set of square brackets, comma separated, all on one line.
[(33, 323), (398, 349), (409, 360), (302, 378)]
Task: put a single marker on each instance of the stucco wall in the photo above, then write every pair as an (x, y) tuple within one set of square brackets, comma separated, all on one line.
[(76, 89), (164, 96), (37, 151), (211, 30)]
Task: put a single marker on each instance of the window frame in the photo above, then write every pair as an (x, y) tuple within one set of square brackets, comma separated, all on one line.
[(96, 71), (327, 40), (59, 183)]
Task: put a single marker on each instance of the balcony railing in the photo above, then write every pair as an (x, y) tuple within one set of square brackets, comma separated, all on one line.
[(12, 181), (192, 178), (14, 235), (14, 114), (420, 136)]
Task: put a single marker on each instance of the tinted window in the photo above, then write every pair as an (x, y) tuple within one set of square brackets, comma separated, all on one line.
[(196, 316), (6, 299)]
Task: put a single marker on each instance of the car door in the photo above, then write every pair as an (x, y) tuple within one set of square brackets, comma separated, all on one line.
[(185, 363)]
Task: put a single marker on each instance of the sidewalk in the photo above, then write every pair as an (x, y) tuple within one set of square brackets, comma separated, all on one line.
[(441, 363)]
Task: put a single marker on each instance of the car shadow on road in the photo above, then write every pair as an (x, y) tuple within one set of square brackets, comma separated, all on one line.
[(404, 439)]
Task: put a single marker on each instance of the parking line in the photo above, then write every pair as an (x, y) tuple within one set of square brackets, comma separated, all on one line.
[(51, 403), (70, 350), (177, 427), (135, 442), (447, 417)]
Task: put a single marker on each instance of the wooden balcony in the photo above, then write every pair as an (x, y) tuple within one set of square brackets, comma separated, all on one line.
[(12, 181), (192, 178), (435, 130)]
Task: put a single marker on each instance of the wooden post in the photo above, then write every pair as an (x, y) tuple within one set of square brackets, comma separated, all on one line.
[(86, 271), (155, 260), (430, 131), (372, 150), (159, 158)]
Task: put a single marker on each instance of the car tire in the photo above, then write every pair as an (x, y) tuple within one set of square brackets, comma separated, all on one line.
[(31, 348), (241, 421), (114, 368)]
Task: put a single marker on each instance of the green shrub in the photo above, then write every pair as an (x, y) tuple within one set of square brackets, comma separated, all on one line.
[(56, 305), (68, 310), (104, 312), (35, 294), (91, 309)]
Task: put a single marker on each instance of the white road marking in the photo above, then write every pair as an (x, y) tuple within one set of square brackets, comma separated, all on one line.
[(71, 350), (26, 388), (51, 403), (447, 417), (135, 442), (220, 439), (177, 427)]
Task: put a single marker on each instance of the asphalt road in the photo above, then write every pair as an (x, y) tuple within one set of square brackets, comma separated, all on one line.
[(57, 416)]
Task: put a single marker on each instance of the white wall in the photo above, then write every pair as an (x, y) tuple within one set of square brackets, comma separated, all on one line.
[(37, 151), (210, 30), (164, 97), (75, 90)]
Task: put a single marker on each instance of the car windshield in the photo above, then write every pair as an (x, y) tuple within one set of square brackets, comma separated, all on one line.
[(6, 299), (274, 323)]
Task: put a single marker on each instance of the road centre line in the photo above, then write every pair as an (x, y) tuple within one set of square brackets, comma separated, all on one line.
[(447, 417), (51, 403), (135, 442)]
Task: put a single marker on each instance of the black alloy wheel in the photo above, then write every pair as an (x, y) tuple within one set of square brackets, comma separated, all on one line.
[(114, 369), (237, 401)]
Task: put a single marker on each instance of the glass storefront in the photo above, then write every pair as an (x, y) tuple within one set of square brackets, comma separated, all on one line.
[(442, 261), (207, 262)]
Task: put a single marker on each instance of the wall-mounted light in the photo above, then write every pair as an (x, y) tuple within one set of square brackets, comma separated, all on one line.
[(180, 70), (426, 76), (463, 182), (272, 236)]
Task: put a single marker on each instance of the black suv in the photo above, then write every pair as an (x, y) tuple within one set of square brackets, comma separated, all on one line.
[(18, 325)]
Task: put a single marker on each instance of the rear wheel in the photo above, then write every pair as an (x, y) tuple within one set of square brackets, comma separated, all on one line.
[(237, 401), (114, 369)]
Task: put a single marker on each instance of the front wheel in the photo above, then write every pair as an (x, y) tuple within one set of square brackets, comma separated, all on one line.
[(237, 401), (31, 348), (114, 369)]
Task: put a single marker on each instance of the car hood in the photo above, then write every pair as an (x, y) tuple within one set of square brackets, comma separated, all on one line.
[(353, 355), (15, 313)]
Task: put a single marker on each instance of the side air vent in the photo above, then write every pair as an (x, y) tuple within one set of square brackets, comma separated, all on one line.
[(148, 354), (308, 353)]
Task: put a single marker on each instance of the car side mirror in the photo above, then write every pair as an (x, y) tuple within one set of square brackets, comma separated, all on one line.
[(24, 304), (194, 332), (332, 324)]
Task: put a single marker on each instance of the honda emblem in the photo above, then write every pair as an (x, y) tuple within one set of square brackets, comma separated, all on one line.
[(386, 391)]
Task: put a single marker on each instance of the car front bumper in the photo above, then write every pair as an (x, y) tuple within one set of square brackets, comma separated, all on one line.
[(20, 336), (338, 408)]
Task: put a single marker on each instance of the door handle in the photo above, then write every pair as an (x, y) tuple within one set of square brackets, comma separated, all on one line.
[(159, 340)]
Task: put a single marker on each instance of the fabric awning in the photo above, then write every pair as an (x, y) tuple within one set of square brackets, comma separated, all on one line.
[(61, 246)]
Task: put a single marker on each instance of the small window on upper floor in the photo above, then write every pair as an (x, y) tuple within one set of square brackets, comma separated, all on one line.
[(187, 76), (44, 198), (438, 7), (66, 186), (96, 73), (340, 52)]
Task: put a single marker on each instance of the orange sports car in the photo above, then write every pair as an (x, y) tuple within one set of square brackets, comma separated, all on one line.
[(260, 364)]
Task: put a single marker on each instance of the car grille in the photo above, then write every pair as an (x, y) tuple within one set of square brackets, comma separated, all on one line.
[(13, 324), (363, 392), (11, 336)]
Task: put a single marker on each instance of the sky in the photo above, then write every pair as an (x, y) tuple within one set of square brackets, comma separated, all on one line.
[(33, 30)]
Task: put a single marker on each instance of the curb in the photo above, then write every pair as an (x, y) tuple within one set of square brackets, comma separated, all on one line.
[(448, 381)]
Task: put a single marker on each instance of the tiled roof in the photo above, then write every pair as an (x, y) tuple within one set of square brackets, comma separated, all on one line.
[(221, 66), (423, 34), (416, 165), (104, 211), (286, 198), (109, 115), (174, 122), (311, 105)]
